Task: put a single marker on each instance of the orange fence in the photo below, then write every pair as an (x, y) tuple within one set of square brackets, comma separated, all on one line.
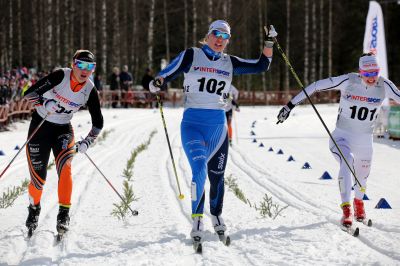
[(174, 97), (19, 109)]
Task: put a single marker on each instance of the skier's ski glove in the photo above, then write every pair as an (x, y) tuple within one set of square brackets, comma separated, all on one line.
[(83, 145), (35, 99), (284, 112), (155, 85), (272, 32), (269, 43)]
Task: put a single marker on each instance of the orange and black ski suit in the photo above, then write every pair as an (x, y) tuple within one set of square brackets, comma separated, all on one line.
[(57, 134)]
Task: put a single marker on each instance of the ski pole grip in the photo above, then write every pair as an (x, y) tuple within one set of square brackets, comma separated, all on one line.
[(157, 83)]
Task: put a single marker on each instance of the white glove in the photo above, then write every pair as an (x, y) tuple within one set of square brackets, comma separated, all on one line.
[(272, 32), (153, 88), (51, 106), (237, 109), (283, 114), (82, 146)]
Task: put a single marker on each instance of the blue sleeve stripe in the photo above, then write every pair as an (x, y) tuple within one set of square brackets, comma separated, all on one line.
[(251, 61), (173, 66), (394, 91)]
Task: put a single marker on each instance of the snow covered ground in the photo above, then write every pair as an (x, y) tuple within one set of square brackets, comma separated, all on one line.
[(306, 233)]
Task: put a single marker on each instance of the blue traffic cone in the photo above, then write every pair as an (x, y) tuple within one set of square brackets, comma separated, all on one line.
[(326, 175), (365, 197), (254, 140), (16, 147), (280, 151), (270, 149), (290, 158), (306, 166), (252, 133), (382, 204), (79, 125), (261, 145), (2, 152)]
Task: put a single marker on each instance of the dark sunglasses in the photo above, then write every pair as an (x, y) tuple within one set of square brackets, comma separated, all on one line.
[(369, 74), (223, 35), (82, 65)]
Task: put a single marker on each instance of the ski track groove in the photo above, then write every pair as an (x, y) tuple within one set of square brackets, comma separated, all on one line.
[(78, 183), (300, 198)]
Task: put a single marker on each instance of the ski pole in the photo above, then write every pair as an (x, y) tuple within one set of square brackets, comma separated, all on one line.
[(180, 196), (29, 138), (362, 189), (134, 212)]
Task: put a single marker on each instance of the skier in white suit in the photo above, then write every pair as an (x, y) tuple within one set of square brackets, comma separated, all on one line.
[(361, 99)]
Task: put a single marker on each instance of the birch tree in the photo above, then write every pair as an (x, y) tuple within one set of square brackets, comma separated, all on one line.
[(186, 24), (330, 40), (313, 41), (261, 36), (321, 40), (56, 32), (287, 44), (49, 37), (209, 11), (19, 32), (194, 9), (167, 54), (306, 25), (150, 36), (103, 27), (10, 33)]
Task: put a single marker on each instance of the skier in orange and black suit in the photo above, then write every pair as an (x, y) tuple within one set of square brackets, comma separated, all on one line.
[(57, 97)]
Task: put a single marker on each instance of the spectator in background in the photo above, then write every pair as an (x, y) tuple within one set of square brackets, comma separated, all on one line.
[(126, 80), (115, 86), (3, 91), (147, 77), (98, 82)]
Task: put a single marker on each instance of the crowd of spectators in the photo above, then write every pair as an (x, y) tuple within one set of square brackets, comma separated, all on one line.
[(14, 82)]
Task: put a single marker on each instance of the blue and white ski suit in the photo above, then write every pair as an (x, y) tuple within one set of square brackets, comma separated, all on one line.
[(208, 77)]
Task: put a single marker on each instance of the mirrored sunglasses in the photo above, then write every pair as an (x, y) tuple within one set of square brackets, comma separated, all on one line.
[(369, 74), (223, 35), (82, 65)]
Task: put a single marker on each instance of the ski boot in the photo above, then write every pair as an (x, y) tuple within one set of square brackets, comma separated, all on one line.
[(197, 234), (359, 212), (347, 218), (33, 218), (220, 228), (62, 222)]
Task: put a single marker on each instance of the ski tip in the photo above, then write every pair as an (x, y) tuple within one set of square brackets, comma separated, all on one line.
[(227, 241), (356, 232), (59, 237), (369, 223), (30, 232), (198, 248)]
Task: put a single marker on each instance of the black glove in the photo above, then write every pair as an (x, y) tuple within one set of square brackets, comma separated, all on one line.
[(285, 112)]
